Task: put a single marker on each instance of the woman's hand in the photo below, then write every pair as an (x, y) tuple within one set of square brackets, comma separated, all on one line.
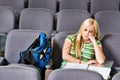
[(90, 62), (92, 38)]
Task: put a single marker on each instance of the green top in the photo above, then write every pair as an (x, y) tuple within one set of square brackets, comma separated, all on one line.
[(87, 52)]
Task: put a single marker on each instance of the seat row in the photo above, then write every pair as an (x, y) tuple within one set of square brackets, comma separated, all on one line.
[(20, 39), (66, 20), (91, 6), (110, 43)]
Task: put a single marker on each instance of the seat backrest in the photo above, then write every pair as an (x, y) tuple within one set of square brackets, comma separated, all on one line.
[(111, 48), (7, 23), (7, 19), (70, 20), (36, 19), (47, 4), (74, 74), (17, 41), (58, 42), (109, 21), (18, 73), (74, 4), (104, 5), (17, 5), (116, 76)]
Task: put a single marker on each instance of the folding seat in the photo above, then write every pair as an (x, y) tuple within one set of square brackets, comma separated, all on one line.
[(7, 23), (111, 49), (17, 41), (36, 19), (74, 74), (103, 5), (58, 42), (70, 20), (108, 22), (18, 73), (47, 4), (74, 4), (56, 56), (17, 5), (7, 19)]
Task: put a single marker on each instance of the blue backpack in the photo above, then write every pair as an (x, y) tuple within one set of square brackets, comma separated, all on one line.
[(38, 53)]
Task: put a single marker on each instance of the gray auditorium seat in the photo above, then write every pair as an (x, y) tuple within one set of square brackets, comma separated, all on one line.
[(70, 20), (104, 5), (7, 23), (17, 5), (74, 74), (17, 41), (74, 4), (36, 19), (18, 73), (47, 4), (58, 41), (111, 48), (109, 22)]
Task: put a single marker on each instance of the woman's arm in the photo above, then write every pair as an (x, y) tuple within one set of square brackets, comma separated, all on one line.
[(66, 53), (100, 57)]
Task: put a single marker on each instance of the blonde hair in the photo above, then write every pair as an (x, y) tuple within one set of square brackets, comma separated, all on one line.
[(79, 41)]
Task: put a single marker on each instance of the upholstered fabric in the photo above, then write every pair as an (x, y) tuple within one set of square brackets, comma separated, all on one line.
[(74, 4), (58, 42), (18, 73), (17, 5), (17, 41), (47, 4), (109, 22), (70, 20), (7, 19), (7, 23), (104, 5), (74, 74), (36, 19), (111, 48)]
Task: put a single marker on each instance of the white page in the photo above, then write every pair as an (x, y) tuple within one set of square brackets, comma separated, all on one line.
[(76, 65), (104, 71)]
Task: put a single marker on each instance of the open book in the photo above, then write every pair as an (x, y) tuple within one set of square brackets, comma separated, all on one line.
[(104, 69)]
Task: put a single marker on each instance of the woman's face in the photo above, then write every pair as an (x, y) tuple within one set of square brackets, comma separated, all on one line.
[(88, 31)]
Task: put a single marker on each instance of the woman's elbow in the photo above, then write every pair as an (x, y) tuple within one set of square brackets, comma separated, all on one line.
[(64, 57)]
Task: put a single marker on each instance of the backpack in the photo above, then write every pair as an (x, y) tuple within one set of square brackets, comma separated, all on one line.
[(38, 53)]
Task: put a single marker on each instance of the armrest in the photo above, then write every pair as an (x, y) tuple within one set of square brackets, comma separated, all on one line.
[(49, 65), (3, 61)]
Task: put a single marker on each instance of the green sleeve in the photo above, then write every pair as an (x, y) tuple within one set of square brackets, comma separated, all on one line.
[(70, 38)]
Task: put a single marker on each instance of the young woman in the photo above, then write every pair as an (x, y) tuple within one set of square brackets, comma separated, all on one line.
[(84, 46)]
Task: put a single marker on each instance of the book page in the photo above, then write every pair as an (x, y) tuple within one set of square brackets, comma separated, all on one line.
[(103, 69), (76, 65)]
